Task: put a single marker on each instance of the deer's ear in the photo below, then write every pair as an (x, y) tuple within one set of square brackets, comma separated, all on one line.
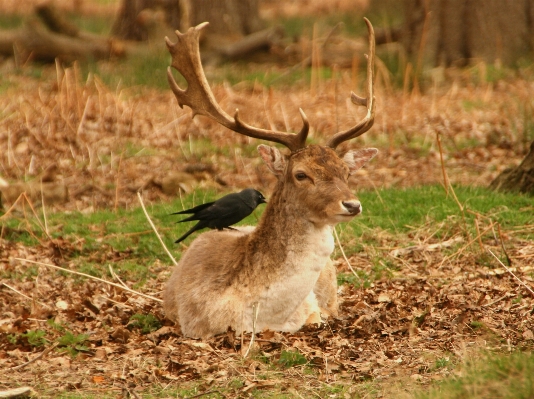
[(274, 160), (355, 159)]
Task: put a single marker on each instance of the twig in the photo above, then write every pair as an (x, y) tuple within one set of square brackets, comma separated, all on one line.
[(448, 185), (426, 247), (21, 197), (37, 217), (478, 233), (420, 52), (114, 275), (132, 393), (11, 208), (40, 355), (44, 210), (91, 277), (511, 272), (117, 184), (370, 181), (308, 60), (502, 245), (25, 296), (255, 311), (345, 256), (498, 299), (156, 231), (459, 252)]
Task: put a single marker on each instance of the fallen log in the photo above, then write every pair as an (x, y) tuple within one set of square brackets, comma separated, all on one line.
[(250, 43), (35, 42)]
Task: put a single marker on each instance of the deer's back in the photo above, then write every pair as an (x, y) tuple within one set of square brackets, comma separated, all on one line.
[(203, 278)]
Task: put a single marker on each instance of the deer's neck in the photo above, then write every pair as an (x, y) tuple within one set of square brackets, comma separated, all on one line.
[(285, 237)]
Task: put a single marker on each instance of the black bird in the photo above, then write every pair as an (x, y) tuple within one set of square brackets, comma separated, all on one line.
[(224, 212)]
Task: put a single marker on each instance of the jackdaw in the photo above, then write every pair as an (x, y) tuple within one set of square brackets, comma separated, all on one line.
[(224, 212)]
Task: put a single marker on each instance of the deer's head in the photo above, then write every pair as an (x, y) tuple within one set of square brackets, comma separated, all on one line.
[(314, 177)]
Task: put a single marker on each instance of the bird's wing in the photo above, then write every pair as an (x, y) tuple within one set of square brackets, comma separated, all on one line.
[(222, 207), (195, 209), (228, 216), (233, 202), (218, 211), (200, 225)]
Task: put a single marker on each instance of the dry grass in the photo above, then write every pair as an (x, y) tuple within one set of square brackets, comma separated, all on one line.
[(104, 145)]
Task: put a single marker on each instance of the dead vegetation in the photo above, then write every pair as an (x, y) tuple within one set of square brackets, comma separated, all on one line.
[(415, 324), (103, 146)]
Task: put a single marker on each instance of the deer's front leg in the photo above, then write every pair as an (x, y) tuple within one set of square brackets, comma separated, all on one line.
[(321, 303), (326, 290)]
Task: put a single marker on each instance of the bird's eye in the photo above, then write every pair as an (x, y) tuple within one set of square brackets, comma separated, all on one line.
[(300, 176)]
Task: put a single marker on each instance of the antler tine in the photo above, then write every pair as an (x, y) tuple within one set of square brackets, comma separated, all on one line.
[(369, 101), (199, 97)]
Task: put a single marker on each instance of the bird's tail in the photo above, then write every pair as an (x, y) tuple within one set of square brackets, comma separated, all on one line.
[(189, 232)]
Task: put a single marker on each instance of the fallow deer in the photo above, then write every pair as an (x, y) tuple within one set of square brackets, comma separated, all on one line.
[(279, 275)]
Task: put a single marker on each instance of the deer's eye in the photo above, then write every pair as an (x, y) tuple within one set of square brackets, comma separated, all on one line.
[(300, 176)]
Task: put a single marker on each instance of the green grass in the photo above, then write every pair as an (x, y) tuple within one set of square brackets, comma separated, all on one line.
[(147, 66), (98, 24), (145, 323), (291, 358), (125, 239), (400, 211), (488, 376), (10, 21), (66, 340), (244, 74), (353, 25)]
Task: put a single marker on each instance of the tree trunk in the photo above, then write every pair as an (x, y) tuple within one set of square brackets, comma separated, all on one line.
[(452, 32), (229, 18), (130, 25), (520, 178), (234, 17)]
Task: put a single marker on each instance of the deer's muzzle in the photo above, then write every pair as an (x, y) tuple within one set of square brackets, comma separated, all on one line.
[(353, 207)]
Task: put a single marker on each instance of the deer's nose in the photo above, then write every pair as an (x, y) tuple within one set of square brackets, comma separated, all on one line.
[(354, 207)]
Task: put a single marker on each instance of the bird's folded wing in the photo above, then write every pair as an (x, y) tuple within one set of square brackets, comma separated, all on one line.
[(195, 209)]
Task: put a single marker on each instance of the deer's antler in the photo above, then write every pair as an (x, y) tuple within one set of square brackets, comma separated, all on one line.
[(199, 97), (369, 100)]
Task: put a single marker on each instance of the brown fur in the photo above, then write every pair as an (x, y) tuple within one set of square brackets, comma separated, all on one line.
[(283, 265)]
